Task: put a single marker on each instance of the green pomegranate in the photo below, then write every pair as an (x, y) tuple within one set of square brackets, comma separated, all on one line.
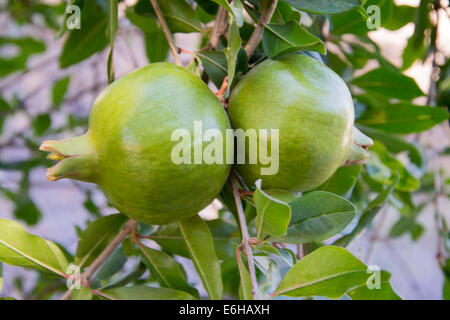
[(127, 149), (312, 108)]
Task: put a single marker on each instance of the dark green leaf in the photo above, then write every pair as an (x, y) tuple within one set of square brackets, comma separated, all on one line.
[(215, 64), (179, 15), (231, 52), (291, 37), (89, 39), (96, 237), (146, 293), (389, 83), (199, 242), (169, 273), (403, 118), (273, 215), (156, 45), (395, 144), (20, 248), (342, 181), (317, 216), (41, 123), (328, 271), (25, 48), (59, 90), (367, 215), (325, 6)]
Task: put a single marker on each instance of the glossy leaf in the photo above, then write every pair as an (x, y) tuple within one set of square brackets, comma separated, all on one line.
[(89, 39), (380, 158), (342, 181), (215, 64), (146, 293), (367, 215), (169, 273), (20, 248), (384, 292), (395, 144), (281, 39), (403, 118), (179, 14), (96, 237), (317, 216), (84, 293), (199, 242), (231, 52), (273, 215), (328, 271), (389, 83), (325, 6), (245, 287)]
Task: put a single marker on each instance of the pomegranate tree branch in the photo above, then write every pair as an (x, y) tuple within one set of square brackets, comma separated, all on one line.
[(219, 28), (166, 31), (129, 227), (245, 236), (257, 34)]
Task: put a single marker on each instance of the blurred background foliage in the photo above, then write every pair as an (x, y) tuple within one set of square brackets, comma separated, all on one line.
[(49, 76)]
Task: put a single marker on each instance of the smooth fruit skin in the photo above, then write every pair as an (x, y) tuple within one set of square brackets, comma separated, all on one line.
[(313, 110), (130, 129)]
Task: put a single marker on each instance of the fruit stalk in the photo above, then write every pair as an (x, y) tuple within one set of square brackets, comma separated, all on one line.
[(245, 236)]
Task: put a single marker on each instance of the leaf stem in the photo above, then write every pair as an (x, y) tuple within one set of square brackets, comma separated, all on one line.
[(245, 235), (129, 227), (257, 34), (166, 31)]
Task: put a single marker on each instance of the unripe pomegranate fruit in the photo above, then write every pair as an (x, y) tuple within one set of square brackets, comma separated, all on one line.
[(127, 149), (313, 110)]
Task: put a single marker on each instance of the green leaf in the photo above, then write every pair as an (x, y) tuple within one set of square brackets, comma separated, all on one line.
[(112, 265), (225, 4), (63, 27), (23, 249), (111, 35), (403, 118), (156, 46), (223, 233), (41, 123), (342, 181), (146, 293), (96, 237), (384, 292), (4, 105), (325, 6), (25, 48), (179, 15), (328, 271), (368, 215), (231, 52), (317, 216), (169, 273), (395, 144), (89, 39), (406, 225), (380, 157), (1, 278), (281, 39), (401, 16), (199, 242), (245, 288), (84, 293), (273, 215), (215, 64), (59, 90), (388, 82)]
